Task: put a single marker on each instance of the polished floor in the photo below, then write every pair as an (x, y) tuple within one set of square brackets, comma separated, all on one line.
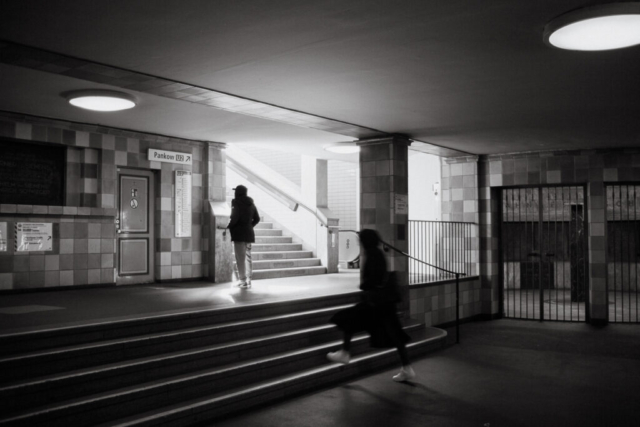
[(557, 306), (504, 373), (55, 309)]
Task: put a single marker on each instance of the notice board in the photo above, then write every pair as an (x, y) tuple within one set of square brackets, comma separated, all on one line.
[(183, 204), (31, 174)]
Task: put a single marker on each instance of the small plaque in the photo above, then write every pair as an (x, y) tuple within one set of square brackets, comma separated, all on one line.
[(402, 204), (3, 237), (33, 236)]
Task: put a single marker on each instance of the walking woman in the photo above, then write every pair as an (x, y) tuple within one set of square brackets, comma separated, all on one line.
[(379, 319)]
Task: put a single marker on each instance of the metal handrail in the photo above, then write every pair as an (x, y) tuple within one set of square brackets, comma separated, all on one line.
[(286, 199), (457, 274)]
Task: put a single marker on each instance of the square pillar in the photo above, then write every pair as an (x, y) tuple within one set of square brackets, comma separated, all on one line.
[(384, 204)]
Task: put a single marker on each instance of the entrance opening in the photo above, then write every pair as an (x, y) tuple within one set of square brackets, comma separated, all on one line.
[(543, 253)]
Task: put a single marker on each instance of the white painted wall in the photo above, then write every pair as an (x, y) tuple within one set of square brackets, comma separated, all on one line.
[(424, 176)]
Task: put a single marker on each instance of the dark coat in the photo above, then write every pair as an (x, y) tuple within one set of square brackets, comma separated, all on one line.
[(244, 216), (381, 322)]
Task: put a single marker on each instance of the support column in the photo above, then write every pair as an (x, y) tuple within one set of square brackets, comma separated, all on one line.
[(315, 190), (384, 200), (220, 258)]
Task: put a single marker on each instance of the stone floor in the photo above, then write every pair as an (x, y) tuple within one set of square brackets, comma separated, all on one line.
[(504, 373)]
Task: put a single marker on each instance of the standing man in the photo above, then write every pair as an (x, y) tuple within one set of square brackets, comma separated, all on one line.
[(244, 216)]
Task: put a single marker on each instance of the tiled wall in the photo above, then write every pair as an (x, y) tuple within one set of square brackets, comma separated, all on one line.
[(343, 194), (436, 304), (93, 157), (591, 167)]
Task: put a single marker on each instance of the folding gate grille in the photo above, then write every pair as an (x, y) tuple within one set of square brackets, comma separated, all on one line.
[(544, 256), (623, 251)]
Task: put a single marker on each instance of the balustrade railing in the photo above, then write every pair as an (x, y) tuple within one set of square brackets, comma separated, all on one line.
[(450, 245)]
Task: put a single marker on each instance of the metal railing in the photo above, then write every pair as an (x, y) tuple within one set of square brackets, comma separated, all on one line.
[(443, 243), (386, 246)]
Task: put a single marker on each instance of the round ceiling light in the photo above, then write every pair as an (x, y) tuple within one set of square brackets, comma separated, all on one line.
[(594, 28), (101, 100), (343, 148)]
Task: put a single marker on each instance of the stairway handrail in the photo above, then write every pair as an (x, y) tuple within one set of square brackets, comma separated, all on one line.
[(278, 193), (385, 244)]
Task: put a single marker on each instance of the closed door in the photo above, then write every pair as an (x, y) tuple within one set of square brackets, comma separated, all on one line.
[(135, 238)]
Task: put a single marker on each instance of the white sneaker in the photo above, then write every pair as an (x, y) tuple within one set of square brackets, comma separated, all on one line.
[(405, 374), (339, 356), (243, 285)]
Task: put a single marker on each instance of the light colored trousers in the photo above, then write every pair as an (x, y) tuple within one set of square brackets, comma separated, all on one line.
[(243, 260)]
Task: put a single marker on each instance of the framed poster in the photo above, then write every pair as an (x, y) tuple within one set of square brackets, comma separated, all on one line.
[(183, 203), (33, 236)]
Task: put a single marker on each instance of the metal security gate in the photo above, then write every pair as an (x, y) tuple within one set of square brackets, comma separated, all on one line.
[(623, 251), (543, 253)]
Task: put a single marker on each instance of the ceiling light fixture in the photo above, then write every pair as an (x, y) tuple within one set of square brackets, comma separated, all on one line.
[(343, 148), (593, 28), (101, 100)]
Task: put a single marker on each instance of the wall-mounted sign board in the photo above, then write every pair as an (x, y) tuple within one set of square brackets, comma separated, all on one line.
[(183, 203), (402, 204), (33, 236), (3, 237), (32, 174), (170, 157)]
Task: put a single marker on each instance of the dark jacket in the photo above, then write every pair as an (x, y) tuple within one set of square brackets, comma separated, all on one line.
[(244, 216)]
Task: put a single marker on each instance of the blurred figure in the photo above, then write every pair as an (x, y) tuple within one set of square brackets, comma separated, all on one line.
[(244, 216), (379, 318)]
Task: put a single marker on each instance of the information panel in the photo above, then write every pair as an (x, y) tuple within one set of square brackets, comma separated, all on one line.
[(183, 204), (3, 237), (33, 236)]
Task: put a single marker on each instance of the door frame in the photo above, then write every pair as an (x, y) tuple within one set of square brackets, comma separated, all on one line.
[(149, 276)]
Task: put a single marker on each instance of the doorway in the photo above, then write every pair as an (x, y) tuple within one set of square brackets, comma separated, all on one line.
[(135, 227), (544, 253)]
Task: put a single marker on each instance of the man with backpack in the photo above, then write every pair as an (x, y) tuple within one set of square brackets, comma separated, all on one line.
[(244, 216)]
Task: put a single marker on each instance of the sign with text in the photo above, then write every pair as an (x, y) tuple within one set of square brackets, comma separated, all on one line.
[(33, 236), (402, 204), (183, 203), (170, 157), (3, 237)]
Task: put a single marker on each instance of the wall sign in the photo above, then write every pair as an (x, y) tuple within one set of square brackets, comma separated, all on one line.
[(183, 204), (170, 157), (402, 204), (33, 236), (3, 237)]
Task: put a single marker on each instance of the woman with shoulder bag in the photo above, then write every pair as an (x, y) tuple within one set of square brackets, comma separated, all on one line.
[(376, 313)]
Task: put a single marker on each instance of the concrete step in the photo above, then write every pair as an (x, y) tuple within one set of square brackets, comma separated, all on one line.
[(275, 247), (280, 255), (287, 272), (216, 382), (264, 226), (75, 384), (17, 345), (267, 232), (272, 239), (51, 362), (289, 384), (289, 263)]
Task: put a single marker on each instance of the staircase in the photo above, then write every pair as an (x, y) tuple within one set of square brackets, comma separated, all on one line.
[(275, 255), (184, 368)]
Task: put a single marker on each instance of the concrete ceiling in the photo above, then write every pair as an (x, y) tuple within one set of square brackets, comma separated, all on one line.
[(472, 76)]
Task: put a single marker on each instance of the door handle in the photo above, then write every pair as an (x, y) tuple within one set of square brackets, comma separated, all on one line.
[(533, 254)]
